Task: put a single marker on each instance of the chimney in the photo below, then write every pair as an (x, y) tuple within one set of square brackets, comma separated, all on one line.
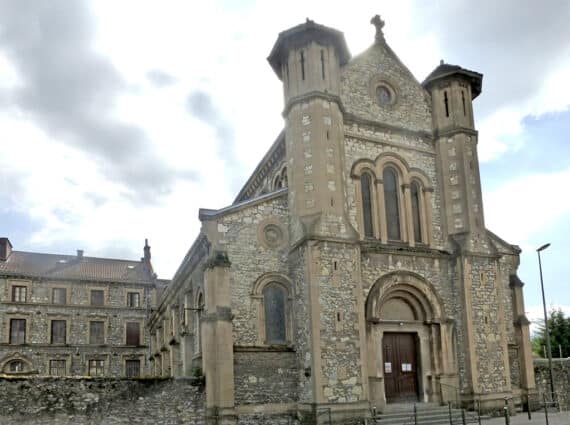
[(5, 249), (146, 257), (80, 254)]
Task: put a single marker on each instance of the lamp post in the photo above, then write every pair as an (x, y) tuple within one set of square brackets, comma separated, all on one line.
[(546, 330)]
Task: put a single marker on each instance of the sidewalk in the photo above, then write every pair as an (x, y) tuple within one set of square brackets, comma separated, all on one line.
[(562, 418)]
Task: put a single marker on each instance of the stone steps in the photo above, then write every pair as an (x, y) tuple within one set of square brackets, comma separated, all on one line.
[(425, 415)]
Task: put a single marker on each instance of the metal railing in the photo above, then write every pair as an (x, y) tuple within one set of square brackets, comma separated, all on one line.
[(324, 411), (469, 414)]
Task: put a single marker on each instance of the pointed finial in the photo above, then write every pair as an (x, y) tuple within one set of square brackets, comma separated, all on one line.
[(379, 24)]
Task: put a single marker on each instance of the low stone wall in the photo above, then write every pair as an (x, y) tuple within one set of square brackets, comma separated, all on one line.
[(83, 401), (265, 377), (561, 372)]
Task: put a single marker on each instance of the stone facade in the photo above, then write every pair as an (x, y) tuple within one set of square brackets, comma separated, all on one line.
[(354, 268), (64, 315)]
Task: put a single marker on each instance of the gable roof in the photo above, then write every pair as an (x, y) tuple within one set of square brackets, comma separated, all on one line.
[(72, 267)]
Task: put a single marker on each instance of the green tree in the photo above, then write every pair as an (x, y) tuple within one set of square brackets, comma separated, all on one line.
[(559, 326)]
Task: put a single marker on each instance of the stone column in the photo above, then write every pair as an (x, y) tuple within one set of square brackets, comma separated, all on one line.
[(217, 341), (382, 211), (408, 226)]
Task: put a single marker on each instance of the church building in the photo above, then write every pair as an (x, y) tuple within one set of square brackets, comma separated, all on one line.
[(354, 268)]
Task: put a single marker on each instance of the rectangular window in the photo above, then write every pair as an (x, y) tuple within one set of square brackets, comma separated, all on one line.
[(133, 333), (97, 333), (57, 368), (19, 294), (133, 299), (97, 297), (17, 331), (58, 329), (133, 368), (59, 295), (96, 367)]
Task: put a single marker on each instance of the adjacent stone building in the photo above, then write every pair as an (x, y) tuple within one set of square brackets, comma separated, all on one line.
[(63, 315), (354, 268)]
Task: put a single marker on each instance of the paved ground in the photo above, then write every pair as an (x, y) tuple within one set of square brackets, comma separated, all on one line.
[(538, 418)]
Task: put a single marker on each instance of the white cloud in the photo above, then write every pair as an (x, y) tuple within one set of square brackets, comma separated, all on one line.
[(526, 206)]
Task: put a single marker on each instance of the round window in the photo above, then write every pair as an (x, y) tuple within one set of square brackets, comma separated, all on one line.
[(384, 95)]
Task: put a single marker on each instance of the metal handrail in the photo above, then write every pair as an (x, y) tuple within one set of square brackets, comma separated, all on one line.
[(454, 388), (323, 411)]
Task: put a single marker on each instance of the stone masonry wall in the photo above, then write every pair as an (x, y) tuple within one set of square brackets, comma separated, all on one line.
[(561, 372), (242, 237), (487, 321), (337, 277), (265, 377), (70, 401), (412, 106)]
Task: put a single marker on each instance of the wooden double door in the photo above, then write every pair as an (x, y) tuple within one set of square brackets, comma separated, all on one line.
[(400, 367)]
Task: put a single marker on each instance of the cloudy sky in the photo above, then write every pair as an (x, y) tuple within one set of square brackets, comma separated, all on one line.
[(119, 119)]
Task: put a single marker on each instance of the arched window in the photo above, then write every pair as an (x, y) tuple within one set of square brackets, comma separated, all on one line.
[(274, 302), (366, 188), (392, 203), (416, 218)]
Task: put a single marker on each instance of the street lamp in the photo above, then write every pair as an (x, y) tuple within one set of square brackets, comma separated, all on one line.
[(547, 332)]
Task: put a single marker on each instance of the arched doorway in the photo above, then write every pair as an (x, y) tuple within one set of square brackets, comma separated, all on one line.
[(408, 340)]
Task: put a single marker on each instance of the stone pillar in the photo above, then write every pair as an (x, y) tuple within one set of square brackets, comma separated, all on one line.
[(522, 335), (217, 341)]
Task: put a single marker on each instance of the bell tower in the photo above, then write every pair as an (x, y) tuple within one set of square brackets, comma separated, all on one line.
[(307, 58), (453, 90), (324, 256)]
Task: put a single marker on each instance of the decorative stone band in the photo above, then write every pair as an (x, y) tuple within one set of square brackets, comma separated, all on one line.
[(446, 132), (311, 95)]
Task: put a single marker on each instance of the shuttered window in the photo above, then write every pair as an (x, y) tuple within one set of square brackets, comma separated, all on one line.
[(17, 331), (57, 368), (58, 331), (133, 333), (19, 294), (97, 297), (59, 295), (133, 368), (96, 367), (133, 299), (97, 333)]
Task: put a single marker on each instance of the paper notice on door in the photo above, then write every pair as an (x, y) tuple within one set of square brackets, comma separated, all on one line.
[(406, 367), (387, 367)]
